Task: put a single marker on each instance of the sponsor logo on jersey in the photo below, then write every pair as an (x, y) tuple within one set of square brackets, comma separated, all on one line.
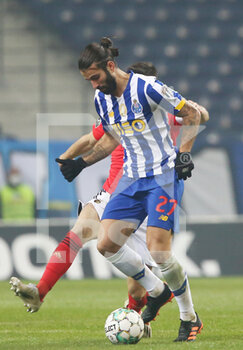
[(127, 128), (136, 107)]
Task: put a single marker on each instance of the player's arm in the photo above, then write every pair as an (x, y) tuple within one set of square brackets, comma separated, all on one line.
[(191, 120), (81, 146), (70, 168), (102, 149), (172, 102), (203, 112), (175, 120)]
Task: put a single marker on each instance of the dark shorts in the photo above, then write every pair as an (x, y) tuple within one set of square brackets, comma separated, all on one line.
[(133, 200)]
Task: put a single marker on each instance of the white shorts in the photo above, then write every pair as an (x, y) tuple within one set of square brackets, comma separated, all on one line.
[(137, 240)]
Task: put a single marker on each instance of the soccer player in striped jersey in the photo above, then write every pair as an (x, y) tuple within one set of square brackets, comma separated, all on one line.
[(137, 294), (134, 108), (85, 229)]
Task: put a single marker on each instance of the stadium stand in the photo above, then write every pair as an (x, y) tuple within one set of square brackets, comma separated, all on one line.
[(37, 75), (196, 45)]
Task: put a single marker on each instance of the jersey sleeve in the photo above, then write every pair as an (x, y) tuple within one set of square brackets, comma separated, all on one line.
[(178, 121), (166, 97), (98, 130)]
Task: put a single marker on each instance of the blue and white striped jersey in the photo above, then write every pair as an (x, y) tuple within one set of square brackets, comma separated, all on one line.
[(140, 119)]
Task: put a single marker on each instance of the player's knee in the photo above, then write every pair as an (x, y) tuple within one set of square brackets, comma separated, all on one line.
[(103, 247), (100, 247), (159, 239), (170, 263), (106, 247), (162, 257), (86, 229)]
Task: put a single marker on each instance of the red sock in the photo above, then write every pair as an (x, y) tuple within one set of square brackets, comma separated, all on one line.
[(60, 261), (137, 305)]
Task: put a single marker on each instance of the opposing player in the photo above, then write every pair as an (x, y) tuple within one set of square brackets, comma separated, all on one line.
[(135, 108)]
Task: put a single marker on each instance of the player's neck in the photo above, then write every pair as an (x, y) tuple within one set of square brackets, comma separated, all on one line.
[(121, 80)]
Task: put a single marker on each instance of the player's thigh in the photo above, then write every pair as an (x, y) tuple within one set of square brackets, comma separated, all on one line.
[(87, 224), (162, 204), (126, 208), (99, 202)]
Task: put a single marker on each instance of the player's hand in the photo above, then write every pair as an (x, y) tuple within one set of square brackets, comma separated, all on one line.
[(184, 165), (70, 168)]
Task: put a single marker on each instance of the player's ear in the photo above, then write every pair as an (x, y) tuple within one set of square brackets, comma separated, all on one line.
[(110, 66)]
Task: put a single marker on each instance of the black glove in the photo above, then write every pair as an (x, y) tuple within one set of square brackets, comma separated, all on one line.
[(70, 168), (184, 165)]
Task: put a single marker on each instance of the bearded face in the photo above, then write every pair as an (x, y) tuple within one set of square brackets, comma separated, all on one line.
[(109, 86), (101, 79)]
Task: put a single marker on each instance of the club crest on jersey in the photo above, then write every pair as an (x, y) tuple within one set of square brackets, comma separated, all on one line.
[(136, 107)]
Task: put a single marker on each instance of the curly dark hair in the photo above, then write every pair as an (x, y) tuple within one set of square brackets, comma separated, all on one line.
[(98, 53), (145, 68)]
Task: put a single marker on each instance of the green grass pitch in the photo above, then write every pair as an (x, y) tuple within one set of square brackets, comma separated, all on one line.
[(74, 313)]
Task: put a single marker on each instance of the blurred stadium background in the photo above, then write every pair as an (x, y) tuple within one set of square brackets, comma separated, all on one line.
[(197, 47)]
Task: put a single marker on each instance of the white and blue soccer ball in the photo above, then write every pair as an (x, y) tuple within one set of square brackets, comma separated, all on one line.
[(124, 326)]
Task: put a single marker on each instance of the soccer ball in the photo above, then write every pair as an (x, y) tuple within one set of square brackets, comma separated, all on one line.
[(124, 326)]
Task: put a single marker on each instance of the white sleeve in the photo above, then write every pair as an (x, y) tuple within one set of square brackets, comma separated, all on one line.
[(179, 120)]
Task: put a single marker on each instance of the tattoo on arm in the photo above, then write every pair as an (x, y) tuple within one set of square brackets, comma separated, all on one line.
[(191, 121), (203, 111), (98, 153), (101, 150)]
